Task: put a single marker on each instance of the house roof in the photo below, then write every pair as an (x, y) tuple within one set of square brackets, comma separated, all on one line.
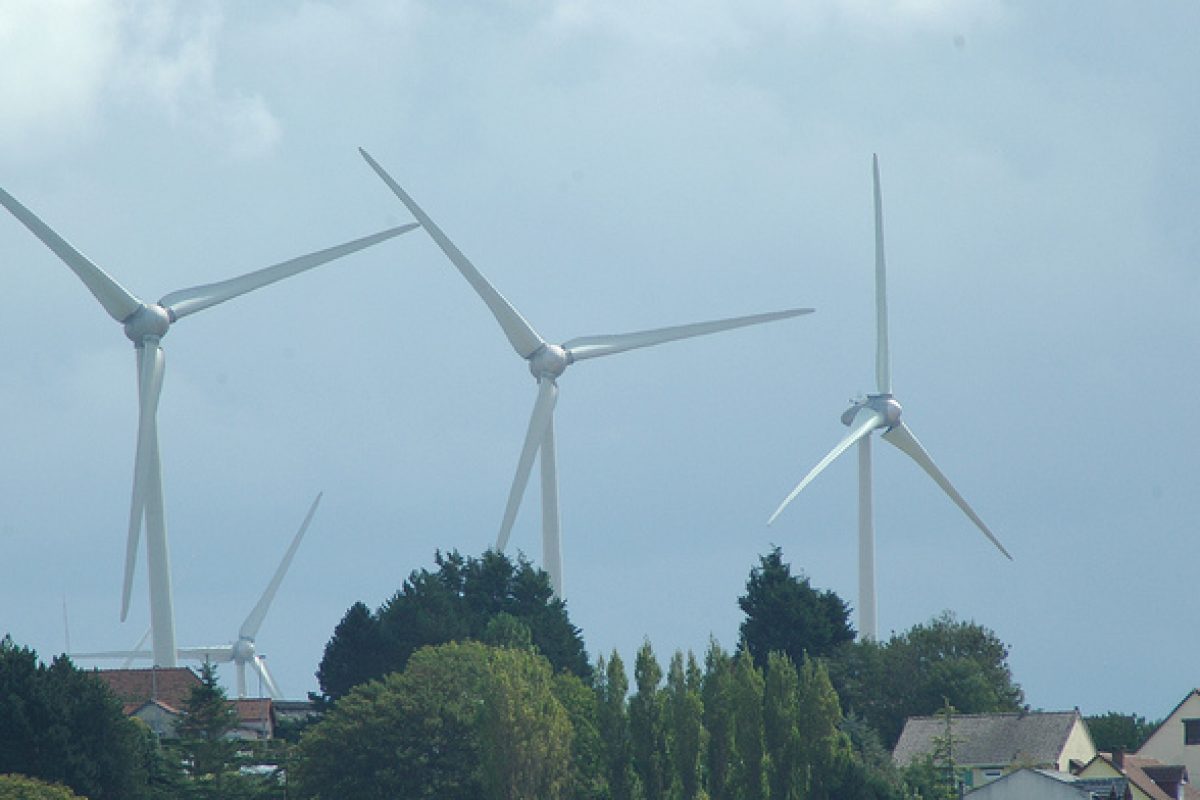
[(253, 710), (1089, 788), (1031, 737), (1148, 774), (169, 685)]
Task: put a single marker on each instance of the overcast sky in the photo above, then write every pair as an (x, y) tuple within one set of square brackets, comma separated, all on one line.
[(613, 166)]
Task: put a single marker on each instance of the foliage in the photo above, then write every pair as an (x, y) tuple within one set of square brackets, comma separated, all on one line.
[(647, 725), (785, 614), (1114, 731), (461, 722), (464, 598), (612, 720), (685, 720), (62, 725), (748, 770), (914, 673), (589, 768), (719, 714), (21, 787)]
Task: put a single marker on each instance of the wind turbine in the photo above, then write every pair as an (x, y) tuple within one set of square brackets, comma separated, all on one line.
[(547, 362), (879, 412), (145, 324), (243, 652)]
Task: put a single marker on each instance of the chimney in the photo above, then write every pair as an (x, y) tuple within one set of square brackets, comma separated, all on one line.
[(1118, 758)]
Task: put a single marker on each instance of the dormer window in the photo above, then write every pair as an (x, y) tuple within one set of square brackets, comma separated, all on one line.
[(1191, 731)]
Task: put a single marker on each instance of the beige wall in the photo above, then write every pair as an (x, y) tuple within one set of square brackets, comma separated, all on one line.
[(1167, 742), (1102, 769), (1079, 747)]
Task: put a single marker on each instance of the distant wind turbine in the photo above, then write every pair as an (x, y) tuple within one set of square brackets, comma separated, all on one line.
[(145, 324), (242, 652), (547, 362), (879, 412)]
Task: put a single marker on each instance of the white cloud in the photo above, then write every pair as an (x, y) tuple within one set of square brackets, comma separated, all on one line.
[(63, 63)]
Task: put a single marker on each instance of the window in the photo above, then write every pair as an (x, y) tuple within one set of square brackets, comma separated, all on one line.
[(1191, 731)]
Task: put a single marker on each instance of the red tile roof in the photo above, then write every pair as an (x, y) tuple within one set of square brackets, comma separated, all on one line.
[(170, 685)]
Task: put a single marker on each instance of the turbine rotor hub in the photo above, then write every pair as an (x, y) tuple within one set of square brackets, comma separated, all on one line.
[(243, 650), (549, 361), (147, 321), (885, 404)]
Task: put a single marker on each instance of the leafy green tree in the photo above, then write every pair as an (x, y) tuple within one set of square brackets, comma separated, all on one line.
[(612, 717), (785, 614), (462, 721), (685, 715), (824, 752), (1116, 731), (781, 729), (62, 725), (456, 602), (589, 767), (748, 771), (21, 787), (647, 725), (719, 717), (914, 673)]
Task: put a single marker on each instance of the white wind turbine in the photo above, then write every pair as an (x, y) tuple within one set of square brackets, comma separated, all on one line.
[(879, 411), (145, 324), (547, 362), (243, 652)]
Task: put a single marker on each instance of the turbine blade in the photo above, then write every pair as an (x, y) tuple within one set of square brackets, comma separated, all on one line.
[(542, 416), (198, 298), (260, 666), (255, 619), (115, 298), (218, 654), (151, 363), (883, 371), (551, 529), (129, 655), (128, 662), (606, 345), (864, 422), (903, 439), (524, 339)]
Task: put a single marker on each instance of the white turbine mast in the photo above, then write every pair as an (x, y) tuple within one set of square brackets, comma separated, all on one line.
[(243, 652), (879, 412), (145, 325), (547, 362)]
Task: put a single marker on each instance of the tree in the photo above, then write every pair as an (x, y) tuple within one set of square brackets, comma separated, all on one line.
[(21, 787), (914, 673), (208, 718), (785, 614), (647, 725), (717, 693), (748, 770), (62, 725), (1113, 731), (781, 729), (612, 717), (462, 721), (456, 602), (589, 767), (824, 752), (685, 719)]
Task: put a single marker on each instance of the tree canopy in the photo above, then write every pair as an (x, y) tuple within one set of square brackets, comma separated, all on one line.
[(785, 614), (62, 725), (461, 599)]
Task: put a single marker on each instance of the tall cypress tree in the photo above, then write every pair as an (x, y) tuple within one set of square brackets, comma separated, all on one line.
[(685, 712), (718, 721), (749, 764), (647, 725), (781, 729), (613, 718), (824, 749)]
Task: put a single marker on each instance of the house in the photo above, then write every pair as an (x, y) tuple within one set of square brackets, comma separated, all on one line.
[(158, 695), (1177, 738), (987, 745), (1044, 784), (1149, 778)]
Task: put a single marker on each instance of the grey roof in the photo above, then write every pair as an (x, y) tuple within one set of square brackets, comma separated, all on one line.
[(1031, 738)]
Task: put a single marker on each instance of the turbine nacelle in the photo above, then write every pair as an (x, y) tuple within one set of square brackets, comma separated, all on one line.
[(147, 321), (243, 651), (883, 404), (549, 361)]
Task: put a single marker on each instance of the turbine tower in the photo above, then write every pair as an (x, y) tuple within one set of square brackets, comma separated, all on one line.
[(547, 362), (879, 412), (243, 652), (145, 325)]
